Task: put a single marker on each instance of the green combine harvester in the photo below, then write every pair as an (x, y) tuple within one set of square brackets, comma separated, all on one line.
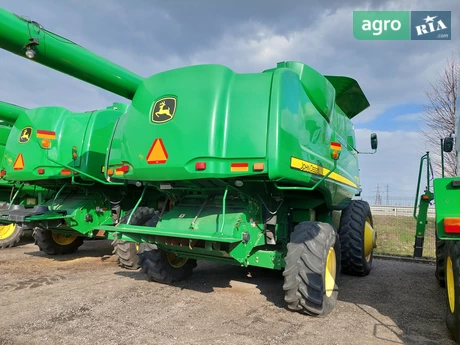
[(446, 195), (28, 196), (244, 169), (67, 160)]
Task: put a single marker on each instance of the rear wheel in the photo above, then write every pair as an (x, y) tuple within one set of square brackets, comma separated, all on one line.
[(126, 252), (164, 267), (10, 234), (53, 243), (440, 261), (312, 268), (161, 266), (452, 275), (357, 238)]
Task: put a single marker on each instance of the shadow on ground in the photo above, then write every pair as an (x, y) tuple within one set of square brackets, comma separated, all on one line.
[(90, 248), (401, 299)]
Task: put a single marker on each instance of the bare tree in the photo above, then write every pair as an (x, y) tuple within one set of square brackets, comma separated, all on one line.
[(439, 114)]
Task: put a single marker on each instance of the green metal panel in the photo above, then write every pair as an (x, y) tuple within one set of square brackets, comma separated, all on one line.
[(221, 119), (298, 130), (4, 134), (224, 119), (447, 201), (85, 134), (64, 55), (10, 112)]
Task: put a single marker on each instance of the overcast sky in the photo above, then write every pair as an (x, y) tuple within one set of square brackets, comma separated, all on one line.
[(149, 36)]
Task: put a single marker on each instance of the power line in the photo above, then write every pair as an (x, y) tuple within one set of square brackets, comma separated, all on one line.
[(388, 195), (378, 198)]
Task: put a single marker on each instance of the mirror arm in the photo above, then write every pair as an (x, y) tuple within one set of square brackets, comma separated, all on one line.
[(367, 153)]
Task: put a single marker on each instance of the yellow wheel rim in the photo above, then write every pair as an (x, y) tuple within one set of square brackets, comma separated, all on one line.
[(137, 246), (450, 284), (175, 261), (329, 278), (62, 239), (369, 239), (6, 231)]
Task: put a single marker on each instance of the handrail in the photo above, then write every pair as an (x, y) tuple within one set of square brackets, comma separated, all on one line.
[(426, 157)]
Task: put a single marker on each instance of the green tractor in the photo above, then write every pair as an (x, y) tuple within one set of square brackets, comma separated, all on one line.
[(244, 169), (445, 192), (28, 196)]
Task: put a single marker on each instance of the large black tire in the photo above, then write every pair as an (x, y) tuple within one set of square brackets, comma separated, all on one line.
[(306, 269), (351, 232), (10, 234), (440, 261), (160, 267), (452, 278), (56, 244), (126, 252)]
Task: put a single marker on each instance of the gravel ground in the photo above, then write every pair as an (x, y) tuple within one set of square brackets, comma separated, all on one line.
[(85, 298)]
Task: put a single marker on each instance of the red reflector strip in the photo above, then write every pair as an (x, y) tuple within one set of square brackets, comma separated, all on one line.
[(336, 146), (239, 167), (41, 171), (121, 170), (452, 225), (124, 168), (46, 134), (66, 172), (2, 173)]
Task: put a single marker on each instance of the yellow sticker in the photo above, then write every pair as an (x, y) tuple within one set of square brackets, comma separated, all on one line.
[(315, 169)]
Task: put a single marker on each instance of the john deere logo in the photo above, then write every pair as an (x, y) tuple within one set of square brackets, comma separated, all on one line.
[(25, 135), (164, 110)]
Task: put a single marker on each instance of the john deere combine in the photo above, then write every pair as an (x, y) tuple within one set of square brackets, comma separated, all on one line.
[(27, 196), (64, 152), (245, 169)]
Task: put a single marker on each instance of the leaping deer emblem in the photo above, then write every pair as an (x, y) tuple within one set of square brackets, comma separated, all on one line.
[(25, 135), (163, 110)]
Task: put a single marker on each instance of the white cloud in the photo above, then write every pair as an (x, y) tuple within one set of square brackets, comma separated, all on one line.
[(409, 117)]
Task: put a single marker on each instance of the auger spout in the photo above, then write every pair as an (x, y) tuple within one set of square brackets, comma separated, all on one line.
[(29, 39), (10, 112)]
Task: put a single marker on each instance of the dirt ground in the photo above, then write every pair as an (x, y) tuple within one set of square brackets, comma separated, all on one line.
[(85, 298)]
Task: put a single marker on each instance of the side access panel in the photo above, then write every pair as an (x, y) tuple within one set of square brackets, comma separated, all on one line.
[(447, 201), (299, 141)]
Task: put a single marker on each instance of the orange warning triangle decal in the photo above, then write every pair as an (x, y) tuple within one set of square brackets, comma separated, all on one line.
[(19, 163), (157, 153)]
